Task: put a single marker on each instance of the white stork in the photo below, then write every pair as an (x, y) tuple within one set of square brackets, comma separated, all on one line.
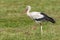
[(38, 16)]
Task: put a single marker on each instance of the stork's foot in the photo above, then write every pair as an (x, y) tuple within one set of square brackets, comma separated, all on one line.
[(34, 27)]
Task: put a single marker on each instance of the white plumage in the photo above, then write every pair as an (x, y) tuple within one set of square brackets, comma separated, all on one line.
[(36, 15)]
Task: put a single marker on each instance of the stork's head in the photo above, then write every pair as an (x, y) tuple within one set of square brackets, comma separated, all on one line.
[(28, 8)]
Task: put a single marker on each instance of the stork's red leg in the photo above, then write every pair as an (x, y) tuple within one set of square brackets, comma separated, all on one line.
[(41, 29)]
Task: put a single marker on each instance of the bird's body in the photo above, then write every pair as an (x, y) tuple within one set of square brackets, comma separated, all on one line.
[(39, 16), (35, 15)]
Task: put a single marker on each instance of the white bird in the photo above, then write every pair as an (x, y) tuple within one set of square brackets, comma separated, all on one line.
[(38, 16)]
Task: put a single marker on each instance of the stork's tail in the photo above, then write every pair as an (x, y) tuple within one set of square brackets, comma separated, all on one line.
[(50, 19)]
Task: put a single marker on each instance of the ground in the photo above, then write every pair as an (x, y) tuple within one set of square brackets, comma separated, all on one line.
[(16, 25)]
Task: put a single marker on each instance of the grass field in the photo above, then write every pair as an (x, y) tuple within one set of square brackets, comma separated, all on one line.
[(16, 25)]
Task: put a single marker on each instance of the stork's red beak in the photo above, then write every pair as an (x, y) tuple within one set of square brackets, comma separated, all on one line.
[(25, 10)]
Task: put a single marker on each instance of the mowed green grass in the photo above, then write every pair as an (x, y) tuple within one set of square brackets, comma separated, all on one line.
[(16, 25)]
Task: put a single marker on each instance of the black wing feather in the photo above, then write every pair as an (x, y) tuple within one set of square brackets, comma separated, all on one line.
[(46, 17)]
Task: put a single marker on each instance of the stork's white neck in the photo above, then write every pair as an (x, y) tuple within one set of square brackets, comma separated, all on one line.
[(28, 9)]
